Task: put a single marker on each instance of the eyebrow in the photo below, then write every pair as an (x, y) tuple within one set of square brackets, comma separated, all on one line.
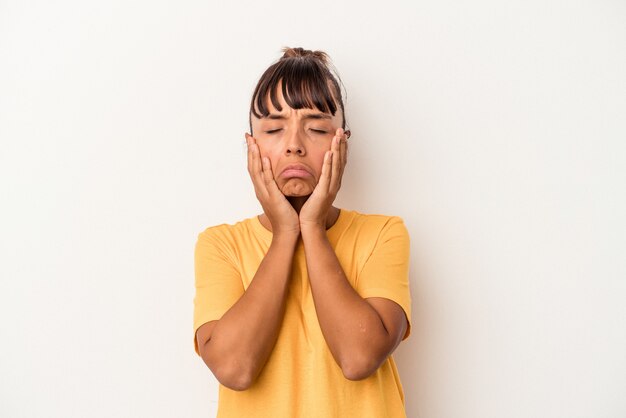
[(306, 116)]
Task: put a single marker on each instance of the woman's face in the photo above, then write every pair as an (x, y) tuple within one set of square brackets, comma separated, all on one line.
[(295, 142)]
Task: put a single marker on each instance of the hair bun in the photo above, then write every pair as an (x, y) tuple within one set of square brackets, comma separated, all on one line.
[(304, 53)]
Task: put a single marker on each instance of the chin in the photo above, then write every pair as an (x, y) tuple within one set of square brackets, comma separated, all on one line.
[(298, 194), (297, 190)]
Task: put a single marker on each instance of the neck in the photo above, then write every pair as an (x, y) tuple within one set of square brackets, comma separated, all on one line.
[(297, 202)]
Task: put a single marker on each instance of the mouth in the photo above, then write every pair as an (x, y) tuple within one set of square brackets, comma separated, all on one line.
[(296, 170)]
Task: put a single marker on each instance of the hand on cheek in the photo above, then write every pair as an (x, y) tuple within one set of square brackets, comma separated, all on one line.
[(315, 210), (278, 210)]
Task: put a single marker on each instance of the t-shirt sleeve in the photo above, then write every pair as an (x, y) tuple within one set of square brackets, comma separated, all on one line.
[(217, 279), (385, 274)]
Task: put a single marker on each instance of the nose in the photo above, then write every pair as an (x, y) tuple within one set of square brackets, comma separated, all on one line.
[(294, 144)]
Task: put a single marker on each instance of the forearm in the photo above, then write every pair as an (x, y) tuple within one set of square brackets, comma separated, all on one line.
[(353, 329), (244, 337)]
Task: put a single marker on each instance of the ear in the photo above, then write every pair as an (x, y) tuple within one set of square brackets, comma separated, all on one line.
[(348, 133)]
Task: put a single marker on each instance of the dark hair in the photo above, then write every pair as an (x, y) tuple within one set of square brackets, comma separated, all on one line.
[(307, 82)]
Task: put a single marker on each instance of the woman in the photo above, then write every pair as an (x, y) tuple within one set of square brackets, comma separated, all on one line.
[(298, 310)]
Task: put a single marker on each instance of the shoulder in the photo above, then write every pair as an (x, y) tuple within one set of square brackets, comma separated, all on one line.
[(226, 230), (226, 234), (377, 224)]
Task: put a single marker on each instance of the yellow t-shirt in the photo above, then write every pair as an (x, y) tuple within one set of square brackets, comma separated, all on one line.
[(301, 378)]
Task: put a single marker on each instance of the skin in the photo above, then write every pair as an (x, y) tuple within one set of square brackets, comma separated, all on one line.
[(360, 333), (302, 136)]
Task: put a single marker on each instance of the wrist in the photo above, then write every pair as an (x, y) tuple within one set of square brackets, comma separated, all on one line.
[(312, 230), (286, 237)]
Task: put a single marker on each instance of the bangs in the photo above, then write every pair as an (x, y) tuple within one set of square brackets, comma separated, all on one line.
[(305, 84)]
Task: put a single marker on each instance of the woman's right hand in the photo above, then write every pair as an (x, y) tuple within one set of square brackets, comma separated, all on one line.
[(281, 214)]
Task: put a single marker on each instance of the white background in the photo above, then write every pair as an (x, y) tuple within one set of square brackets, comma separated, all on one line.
[(496, 129)]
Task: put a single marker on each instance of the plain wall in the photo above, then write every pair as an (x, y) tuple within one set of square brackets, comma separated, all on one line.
[(495, 129)]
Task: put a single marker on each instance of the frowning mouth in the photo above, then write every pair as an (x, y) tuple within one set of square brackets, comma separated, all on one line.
[(296, 170)]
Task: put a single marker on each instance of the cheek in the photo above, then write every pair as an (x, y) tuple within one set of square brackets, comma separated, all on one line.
[(318, 160), (266, 150), (271, 153)]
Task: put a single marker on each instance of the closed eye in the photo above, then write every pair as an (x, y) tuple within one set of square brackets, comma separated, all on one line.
[(319, 131), (272, 131)]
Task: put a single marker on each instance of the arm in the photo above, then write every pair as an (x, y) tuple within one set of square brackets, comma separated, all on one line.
[(237, 346), (360, 333)]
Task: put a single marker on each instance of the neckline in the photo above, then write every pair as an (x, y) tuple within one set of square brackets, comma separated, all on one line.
[(342, 219)]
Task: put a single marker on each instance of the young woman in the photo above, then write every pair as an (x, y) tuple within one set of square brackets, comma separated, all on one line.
[(298, 310)]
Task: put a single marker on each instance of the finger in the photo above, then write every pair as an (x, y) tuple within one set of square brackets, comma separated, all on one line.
[(325, 178), (344, 154), (343, 146), (336, 165), (343, 158), (268, 177), (254, 167), (267, 171), (249, 142)]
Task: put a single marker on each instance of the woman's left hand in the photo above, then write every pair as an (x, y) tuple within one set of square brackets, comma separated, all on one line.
[(315, 210)]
